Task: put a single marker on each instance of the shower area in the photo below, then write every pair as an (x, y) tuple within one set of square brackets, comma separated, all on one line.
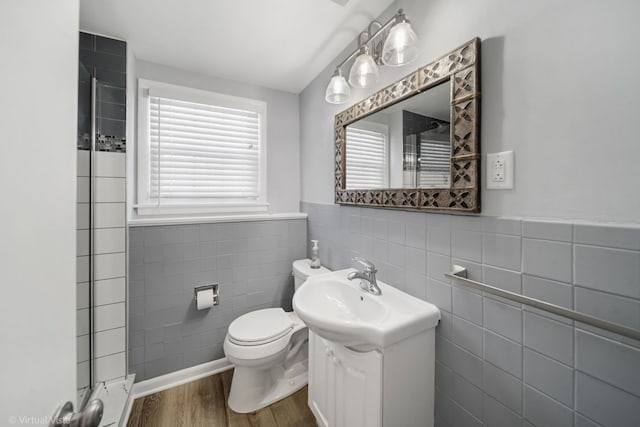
[(101, 274), (426, 151)]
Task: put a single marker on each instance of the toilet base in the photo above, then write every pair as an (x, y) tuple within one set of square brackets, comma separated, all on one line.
[(253, 389)]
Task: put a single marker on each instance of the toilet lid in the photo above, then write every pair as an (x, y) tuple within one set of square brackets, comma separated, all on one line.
[(260, 326)]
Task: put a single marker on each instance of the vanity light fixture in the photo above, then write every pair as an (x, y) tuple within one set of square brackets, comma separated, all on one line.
[(399, 48), (338, 90), (364, 71), (401, 45)]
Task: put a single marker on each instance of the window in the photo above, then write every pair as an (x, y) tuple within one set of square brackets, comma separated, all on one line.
[(434, 162), (367, 156), (199, 152)]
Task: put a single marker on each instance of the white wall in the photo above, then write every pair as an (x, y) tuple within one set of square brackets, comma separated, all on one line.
[(558, 88), (38, 106), (283, 152)]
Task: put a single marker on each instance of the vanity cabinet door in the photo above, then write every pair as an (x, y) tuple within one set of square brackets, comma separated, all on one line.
[(358, 388), (322, 380)]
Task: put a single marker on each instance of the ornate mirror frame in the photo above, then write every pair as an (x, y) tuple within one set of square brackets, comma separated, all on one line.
[(462, 67)]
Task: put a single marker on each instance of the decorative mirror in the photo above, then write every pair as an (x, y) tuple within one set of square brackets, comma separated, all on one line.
[(416, 143)]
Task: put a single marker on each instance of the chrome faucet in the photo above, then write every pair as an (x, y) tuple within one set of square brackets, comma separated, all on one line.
[(367, 276)]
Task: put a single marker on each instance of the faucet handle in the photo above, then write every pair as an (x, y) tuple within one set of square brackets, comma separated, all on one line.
[(368, 265)]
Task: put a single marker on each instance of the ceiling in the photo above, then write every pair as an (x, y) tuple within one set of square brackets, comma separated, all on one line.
[(280, 44)]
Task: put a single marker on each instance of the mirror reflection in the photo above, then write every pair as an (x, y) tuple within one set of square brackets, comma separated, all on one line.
[(406, 145)]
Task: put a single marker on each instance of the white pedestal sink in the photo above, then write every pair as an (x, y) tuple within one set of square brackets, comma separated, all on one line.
[(371, 358), (337, 309)]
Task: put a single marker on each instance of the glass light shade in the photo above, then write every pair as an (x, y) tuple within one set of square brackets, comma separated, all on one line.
[(401, 45), (364, 71), (338, 90)]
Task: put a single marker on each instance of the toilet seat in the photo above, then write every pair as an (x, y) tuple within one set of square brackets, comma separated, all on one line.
[(254, 326), (260, 327)]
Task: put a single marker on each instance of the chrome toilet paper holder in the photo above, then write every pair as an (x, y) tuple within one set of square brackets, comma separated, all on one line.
[(213, 287)]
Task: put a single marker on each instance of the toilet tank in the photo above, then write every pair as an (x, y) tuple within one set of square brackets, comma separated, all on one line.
[(302, 270)]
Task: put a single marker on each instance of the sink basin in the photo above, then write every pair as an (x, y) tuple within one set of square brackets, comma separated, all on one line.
[(338, 310)]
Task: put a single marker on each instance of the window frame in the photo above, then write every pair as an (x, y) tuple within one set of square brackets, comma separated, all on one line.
[(147, 207)]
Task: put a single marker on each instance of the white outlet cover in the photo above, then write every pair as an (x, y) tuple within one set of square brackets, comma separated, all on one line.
[(499, 167)]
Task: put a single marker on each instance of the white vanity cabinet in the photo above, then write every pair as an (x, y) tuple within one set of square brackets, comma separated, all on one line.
[(345, 387), (389, 388), (322, 382), (358, 391)]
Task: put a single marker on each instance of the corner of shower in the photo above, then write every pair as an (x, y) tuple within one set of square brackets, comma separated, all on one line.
[(101, 234)]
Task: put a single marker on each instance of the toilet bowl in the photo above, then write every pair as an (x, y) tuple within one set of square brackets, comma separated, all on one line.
[(268, 348)]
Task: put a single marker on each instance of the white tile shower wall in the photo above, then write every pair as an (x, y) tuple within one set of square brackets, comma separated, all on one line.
[(109, 264), (82, 268), (251, 261), (500, 363)]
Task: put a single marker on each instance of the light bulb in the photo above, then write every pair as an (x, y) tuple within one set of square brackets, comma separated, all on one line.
[(338, 90), (400, 47), (364, 71)]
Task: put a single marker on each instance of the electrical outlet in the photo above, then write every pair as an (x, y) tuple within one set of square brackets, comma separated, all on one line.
[(500, 170), (497, 170)]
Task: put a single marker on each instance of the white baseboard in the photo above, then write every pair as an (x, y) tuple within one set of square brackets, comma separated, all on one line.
[(173, 379)]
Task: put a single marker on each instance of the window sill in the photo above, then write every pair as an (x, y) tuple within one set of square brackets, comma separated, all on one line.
[(166, 210), (141, 222)]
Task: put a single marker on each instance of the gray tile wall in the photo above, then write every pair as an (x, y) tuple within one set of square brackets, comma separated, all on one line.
[(500, 363), (250, 260), (106, 60)]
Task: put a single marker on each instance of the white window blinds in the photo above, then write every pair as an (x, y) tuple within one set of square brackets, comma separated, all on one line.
[(366, 159), (202, 151), (435, 163)]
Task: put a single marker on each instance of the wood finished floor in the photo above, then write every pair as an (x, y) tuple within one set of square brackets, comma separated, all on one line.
[(204, 403)]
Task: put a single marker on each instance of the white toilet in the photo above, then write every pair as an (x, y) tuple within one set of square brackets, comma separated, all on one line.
[(269, 350)]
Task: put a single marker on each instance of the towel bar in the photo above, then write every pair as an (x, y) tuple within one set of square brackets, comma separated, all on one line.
[(459, 274)]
